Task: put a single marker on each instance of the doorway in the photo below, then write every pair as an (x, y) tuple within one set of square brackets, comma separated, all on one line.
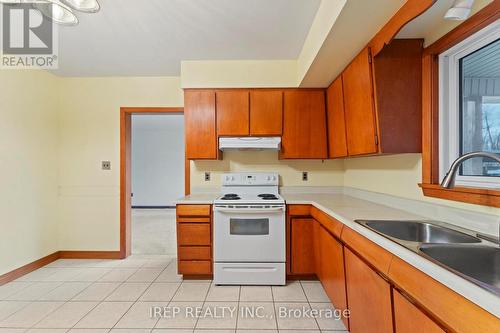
[(153, 173), (157, 163)]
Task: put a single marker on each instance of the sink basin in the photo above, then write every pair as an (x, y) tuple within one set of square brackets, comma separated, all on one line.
[(421, 232), (481, 263)]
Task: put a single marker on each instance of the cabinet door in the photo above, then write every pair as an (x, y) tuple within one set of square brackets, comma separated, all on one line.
[(232, 113), (199, 118), (302, 233), (304, 127), (266, 112), (337, 140), (359, 106), (332, 270), (317, 249), (409, 319), (369, 297)]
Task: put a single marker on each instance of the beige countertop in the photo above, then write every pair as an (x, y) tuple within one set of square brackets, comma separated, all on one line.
[(347, 208)]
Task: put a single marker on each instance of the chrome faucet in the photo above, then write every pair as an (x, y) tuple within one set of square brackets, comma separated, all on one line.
[(449, 179)]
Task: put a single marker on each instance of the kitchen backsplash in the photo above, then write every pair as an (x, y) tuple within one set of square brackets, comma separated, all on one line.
[(320, 173)]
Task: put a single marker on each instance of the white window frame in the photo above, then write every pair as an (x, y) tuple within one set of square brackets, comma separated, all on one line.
[(449, 104)]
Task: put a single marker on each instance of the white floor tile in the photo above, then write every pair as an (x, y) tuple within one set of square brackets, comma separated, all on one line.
[(67, 315), (191, 292), (88, 330), (97, 291), (11, 288), (314, 292), (127, 292), (256, 294), (186, 318), (162, 292), (325, 319), (65, 291), (28, 316), (293, 316), (145, 275), (292, 292), (140, 316), (105, 315), (12, 330), (170, 274), (8, 308), (258, 316), (223, 293), (90, 274), (34, 291), (63, 274), (118, 275), (38, 275), (47, 330), (218, 315)]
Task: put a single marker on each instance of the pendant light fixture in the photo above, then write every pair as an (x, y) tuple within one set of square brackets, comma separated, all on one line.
[(57, 12), (86, 6), (60, 11)]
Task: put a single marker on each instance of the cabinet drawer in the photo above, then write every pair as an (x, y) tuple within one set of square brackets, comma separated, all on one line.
[(332, 225), (195, 267), (182, 219), (195, 253), (193, 234), (299, 210), (193, 210)]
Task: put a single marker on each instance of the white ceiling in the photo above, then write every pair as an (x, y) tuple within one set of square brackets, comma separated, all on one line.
[(151, 37)]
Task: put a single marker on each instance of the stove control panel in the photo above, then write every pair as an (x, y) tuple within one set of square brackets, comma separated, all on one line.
[(250, 179)]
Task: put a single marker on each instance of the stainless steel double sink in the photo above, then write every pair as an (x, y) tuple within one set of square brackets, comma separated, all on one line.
[(458, 250)]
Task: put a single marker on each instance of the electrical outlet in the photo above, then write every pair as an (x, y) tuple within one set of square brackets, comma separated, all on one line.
[(106, 165), (305, 176), (207, 176)]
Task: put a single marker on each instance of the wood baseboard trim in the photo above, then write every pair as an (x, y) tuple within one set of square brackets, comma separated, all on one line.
[(90, 255), (28, 268)]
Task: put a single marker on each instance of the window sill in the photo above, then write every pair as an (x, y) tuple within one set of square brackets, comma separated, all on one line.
[(485, 197)]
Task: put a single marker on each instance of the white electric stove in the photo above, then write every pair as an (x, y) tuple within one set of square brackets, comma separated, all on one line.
[(249, 231)]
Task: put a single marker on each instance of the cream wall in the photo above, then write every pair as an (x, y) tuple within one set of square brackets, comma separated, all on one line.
[(89, 132), (321, 173), (28, 167), (238, 73), (397, 175)]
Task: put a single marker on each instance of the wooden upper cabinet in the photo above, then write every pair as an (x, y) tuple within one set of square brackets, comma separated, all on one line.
[(369, 297), (304, 127), (266, 112), (359, 106), (233, 118), (337, 140), (199, 118), (409, 319)]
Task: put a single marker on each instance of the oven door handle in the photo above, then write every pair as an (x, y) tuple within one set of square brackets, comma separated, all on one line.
[(249, 210)]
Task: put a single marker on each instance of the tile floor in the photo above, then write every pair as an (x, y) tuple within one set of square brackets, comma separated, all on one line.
[(98, 296), (153, 231)]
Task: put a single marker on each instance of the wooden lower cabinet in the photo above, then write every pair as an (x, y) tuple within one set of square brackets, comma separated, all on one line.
[(332, 270), (302, 235), (369, 297), (194, 240), (409, 319)]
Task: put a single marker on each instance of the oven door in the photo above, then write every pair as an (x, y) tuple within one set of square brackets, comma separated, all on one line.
[(249, 234)]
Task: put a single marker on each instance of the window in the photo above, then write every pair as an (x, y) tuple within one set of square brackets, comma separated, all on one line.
[(469, 118)]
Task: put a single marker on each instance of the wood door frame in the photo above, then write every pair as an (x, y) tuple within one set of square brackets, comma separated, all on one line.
[(125, 169)]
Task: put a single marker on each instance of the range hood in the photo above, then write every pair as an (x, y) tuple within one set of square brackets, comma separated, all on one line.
[(250, 143)]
